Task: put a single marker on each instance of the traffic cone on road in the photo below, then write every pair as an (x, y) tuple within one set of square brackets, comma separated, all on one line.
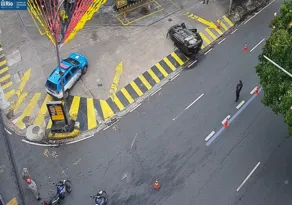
[(256, 91), (245, 48), (226, 124), (156, 185)]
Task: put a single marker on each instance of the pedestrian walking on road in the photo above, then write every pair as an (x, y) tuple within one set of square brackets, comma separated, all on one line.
[(205, 1), (33, 188), (25, 174), (238, 89)]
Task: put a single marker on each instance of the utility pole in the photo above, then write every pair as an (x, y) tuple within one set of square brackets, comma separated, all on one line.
[(59, 61), (230, 6)]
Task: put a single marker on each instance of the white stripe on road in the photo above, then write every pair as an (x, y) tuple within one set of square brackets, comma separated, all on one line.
[(56, 145), (134, 108), (8, 131), (188, 107), (248, 176), (259, 12), (210, 135), (233, 31), (110, 125), (208, 51), (41, 145), (257, 45), (156, 91), (192, 63), (174, 77), (194, 101), (134, 140), (222, 40), (75, 141), (240, 104)]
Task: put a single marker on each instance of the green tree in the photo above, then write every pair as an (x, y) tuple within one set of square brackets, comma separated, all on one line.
[(276, 84)]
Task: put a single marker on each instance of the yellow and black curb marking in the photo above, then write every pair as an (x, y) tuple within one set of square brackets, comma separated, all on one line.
[(5, 78), (214, 30), (86, 110), (142, 84)]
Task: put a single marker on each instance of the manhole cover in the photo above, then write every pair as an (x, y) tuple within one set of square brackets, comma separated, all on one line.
[(35, 130)]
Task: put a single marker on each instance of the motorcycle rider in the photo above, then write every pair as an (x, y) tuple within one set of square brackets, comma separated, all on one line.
[(100, 198)]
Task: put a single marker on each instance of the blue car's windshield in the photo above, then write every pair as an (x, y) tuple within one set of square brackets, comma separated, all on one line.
[(71, 61), (51, 85)]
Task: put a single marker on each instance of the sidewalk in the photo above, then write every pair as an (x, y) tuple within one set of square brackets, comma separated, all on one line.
[(146, 54)]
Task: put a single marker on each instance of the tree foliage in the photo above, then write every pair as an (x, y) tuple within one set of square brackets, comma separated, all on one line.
[(276, 84)]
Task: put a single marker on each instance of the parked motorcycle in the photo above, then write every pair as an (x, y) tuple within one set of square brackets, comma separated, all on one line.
[(62, 187), (100, 198), (1, 200)]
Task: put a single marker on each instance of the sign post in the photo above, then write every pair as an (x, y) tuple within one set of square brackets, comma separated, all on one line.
[(58, 116)]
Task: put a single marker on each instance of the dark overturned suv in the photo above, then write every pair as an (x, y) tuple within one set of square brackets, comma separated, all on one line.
[(186, 40)]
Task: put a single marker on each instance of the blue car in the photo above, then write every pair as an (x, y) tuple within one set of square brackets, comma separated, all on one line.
[(72, 69)]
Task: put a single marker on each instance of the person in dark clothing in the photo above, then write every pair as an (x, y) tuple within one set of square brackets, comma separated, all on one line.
[(238, 89), (206, 1)]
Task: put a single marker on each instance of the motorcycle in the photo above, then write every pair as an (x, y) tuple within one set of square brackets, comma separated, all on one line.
[(62, 187), (100, 198), (1, 200)]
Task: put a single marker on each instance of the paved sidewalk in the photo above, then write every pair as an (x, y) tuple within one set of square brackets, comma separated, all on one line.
[(146, 54)]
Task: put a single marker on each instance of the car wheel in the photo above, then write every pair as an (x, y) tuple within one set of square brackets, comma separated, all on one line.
[(68, 185), (66, 94), (84, 69)]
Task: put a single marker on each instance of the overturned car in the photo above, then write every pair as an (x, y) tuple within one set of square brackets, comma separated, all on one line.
[(186, 40)]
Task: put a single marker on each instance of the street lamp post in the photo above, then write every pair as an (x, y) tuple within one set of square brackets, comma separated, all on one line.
[(230, 6), (285, 71), (59, 62)]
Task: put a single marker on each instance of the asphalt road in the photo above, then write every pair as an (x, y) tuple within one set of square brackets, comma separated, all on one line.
[(8, 186), (164, 138)]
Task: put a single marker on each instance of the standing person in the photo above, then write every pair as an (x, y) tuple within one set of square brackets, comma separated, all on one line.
[(33, 188), (238, 89)]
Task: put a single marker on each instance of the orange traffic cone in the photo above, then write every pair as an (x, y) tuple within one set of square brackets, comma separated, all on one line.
[(226, 124), (218, 26), (256, 90), (245, 48), (156, 185)]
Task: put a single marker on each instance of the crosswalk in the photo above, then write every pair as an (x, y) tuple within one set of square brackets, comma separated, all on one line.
[(5, 78), (87, 110), (214, 30)]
